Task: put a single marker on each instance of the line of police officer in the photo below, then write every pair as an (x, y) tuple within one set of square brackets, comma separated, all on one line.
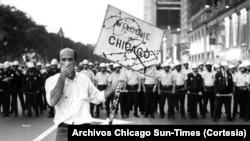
[(217, 84), (27, 83)]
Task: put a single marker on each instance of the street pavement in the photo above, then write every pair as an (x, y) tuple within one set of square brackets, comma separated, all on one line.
[(27, 129)]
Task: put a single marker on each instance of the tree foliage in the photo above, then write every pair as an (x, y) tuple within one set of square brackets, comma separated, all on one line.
[(20, 34)]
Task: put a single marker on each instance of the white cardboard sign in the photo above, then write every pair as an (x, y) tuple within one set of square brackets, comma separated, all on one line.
[(129, 41)]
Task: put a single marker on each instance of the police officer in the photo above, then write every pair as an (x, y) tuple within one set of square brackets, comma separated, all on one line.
[(53, 69), (42, 96), (17, 89), (240, 95), (180, 87), (133, 85), (166, 91), (149, 87), (208, 86), (194, 84), (91, 76), (80, 67), (114, 77), (101, 80), (32, 86), (223, 87), (87, 71), (186, 71), (1, 87), (7, 87)]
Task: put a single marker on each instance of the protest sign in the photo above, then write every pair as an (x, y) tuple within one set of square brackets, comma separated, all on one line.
[(129, 41)]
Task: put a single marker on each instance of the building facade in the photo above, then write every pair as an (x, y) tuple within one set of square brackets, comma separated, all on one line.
[(165, 14), (219, 30)]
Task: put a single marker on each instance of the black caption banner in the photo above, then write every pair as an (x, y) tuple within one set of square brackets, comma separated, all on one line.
[(138, 132)]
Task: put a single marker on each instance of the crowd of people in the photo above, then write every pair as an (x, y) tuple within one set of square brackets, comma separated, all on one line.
[(194, 92)]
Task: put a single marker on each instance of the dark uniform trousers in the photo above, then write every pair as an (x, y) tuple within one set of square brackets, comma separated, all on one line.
[(240, 98), (6, 102), (124, 103), (150, 99), (128, 99), (32, 99), (6, 93), (223, 85), (92, 106), (208, 94), (248, 106), (1, 99), (180, 93), (108, 102), (219, 100), (14, 106), (163, 96)]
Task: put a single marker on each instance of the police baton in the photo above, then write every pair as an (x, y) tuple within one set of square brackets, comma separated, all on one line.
[(181, 90)]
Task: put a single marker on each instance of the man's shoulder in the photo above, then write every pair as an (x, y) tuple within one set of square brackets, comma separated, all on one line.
[(53, 77), (82, 76)]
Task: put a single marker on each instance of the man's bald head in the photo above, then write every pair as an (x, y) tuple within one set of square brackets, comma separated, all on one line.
[(67, 51), (67, 56)]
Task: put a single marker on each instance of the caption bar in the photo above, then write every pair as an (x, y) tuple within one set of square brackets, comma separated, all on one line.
[(142, 131)]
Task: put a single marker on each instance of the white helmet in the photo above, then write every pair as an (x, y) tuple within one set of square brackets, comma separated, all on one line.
[(242, 66), (39, 64), (200, 63), (208, 63), (1, 66), (194, 66), (91, 64), (177, 63), (47, 65), (54, 62), (116, 65), (80, 64), (6, 64), (85, 62), (165, 65), (246, 63), (30, 65), (185, 62), (172, 65), (102, 65), (231, 66), (15, 63), (224, 63), (216, 66)]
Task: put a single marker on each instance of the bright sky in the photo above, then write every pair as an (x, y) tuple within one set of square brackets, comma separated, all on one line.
[(81, 20)]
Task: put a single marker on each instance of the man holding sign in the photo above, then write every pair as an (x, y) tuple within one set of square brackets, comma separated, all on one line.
[(71, 93)]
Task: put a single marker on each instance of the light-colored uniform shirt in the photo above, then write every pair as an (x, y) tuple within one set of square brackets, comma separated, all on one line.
[(89, 73), (149, 80), (179, 78), (186, 71), (132, 77), (166, 78), (240, 79), (74, 105), (208, 78), (102, 78), (114, 77)]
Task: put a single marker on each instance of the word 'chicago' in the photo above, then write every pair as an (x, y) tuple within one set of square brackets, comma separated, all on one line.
[(127, 46)]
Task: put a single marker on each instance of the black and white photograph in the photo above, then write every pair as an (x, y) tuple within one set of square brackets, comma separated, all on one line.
[(141, 69)]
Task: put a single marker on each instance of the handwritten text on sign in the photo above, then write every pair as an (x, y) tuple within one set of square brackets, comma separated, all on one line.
[(128, 41)]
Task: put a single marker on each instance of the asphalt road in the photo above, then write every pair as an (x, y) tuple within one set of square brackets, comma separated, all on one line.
[(27, 129)]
